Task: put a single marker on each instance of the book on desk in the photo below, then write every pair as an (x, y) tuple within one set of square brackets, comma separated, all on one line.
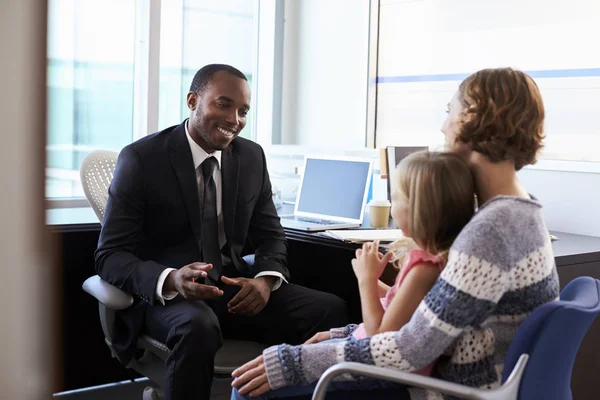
[(369, 235), (365, 235)]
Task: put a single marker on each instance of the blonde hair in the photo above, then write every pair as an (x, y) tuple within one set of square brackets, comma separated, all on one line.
[(439, 192)]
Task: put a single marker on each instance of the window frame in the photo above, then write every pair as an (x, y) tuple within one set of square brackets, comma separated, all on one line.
[(544, 164), (147, 79)]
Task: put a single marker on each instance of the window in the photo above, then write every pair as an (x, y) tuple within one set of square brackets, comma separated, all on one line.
[(427, 47), (95, 71), (323, 94), (90, 85), (199, 32)]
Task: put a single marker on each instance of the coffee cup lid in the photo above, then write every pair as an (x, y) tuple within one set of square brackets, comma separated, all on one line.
[(381, 203)]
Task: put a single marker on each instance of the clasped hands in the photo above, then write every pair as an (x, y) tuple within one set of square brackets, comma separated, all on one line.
[(250, 300)]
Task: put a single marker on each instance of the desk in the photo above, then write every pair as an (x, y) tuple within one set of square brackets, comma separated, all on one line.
[(314, 261)]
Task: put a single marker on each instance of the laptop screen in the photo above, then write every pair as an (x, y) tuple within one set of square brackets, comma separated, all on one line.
[(335, 188)]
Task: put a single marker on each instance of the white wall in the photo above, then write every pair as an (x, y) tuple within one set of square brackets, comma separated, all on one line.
[(27, 337), (426, 48), (571, 200), (325, 72)]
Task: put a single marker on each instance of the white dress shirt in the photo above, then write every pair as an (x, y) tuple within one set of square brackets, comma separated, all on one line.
[(199, 155)]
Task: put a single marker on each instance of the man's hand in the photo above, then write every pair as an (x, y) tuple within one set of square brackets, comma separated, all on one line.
[(319, 337), (251, 378), (253, 295), (183, 281)]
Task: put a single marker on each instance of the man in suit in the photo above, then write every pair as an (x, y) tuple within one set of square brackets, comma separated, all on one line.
[(192, 194)]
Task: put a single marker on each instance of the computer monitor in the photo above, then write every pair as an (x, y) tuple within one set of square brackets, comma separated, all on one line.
[(334, 188), (395, 154)]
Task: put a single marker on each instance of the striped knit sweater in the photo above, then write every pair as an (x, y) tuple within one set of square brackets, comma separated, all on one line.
[(499, 269)]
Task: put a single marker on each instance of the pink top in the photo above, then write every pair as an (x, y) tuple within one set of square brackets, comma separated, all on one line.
[(415, 257)]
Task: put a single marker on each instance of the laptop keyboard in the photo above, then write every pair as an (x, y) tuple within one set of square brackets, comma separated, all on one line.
[(318, 221)]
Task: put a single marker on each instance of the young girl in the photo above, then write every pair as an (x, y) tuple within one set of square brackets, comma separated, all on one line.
[(432, 201)]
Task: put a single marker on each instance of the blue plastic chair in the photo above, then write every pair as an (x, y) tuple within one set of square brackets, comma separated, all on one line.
[(539, 361), (551, 336)]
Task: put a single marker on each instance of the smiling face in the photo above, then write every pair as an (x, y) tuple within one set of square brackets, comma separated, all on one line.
[(218, 113)]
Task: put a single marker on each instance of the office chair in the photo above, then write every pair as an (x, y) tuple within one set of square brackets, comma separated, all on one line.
[(96, 173), (540, 359)]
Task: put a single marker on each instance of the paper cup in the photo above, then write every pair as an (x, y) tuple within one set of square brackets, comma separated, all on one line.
[(379, 213)]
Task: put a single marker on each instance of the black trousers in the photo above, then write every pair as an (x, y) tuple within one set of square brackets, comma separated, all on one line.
[(193, 330)]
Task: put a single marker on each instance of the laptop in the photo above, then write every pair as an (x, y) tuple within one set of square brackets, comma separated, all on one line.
[(332, 194)]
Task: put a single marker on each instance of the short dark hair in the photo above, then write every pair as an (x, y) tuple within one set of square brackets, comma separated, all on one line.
[(204, 74)]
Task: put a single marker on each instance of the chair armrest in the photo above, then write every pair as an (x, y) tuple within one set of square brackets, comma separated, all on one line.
[(107, 294), (508, 391)]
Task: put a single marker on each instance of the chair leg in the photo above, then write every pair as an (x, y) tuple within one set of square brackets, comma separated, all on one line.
[(151, 393)]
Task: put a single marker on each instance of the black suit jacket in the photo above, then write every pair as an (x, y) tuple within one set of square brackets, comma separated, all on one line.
[(152, 219)]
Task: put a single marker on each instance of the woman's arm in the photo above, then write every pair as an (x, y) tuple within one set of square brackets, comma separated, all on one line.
[(419, 280), (451, 305), (343, 332)]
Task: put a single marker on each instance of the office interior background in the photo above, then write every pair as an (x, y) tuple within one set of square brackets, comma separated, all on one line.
[(327, 76)]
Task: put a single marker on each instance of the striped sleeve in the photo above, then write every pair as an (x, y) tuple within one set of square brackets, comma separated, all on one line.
[(464, 295), (343, 332)]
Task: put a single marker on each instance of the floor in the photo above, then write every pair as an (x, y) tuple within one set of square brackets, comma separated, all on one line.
[(132, 390), (125, 390)]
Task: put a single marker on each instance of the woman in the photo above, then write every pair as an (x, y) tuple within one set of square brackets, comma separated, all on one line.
[(500, 267)]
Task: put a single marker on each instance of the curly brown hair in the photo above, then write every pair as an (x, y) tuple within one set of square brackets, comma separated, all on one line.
[(503, 117)]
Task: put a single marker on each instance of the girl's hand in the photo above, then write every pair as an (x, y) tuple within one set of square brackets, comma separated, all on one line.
[(369, 263)]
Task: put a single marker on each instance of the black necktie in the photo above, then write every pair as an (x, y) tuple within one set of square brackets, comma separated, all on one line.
[(211, 252)]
